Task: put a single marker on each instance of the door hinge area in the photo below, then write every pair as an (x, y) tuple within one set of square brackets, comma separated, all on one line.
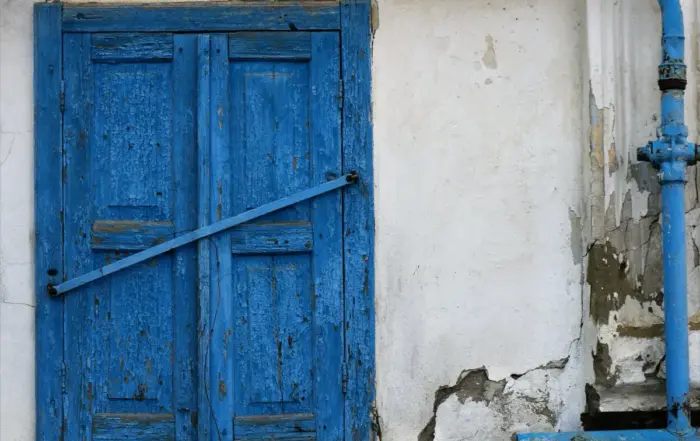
[(345, 378)]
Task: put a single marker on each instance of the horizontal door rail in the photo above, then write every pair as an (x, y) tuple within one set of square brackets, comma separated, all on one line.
[(203, 17), (202, 233)]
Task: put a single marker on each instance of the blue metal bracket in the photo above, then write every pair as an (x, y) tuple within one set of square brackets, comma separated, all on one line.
[(202, 233), (670, 154)]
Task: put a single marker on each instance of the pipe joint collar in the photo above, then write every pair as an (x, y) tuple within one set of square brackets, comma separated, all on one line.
[(672, 172), (672, 75), (670, 154)]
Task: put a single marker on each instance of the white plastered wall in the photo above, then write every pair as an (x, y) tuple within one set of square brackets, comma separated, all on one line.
[(16, 222), (485, 201), (479, 111)]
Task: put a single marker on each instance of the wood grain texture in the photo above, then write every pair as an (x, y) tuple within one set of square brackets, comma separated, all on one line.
[(272, 291), (130, 427), (162, 134), (186, 335), (272, 238), (288, 325), (326, 157), (130, 338), (270, 45), (208, 17), (124, 47), (116, 235), (221, 392), (204, 248), (79, 316), (48, 154), (298, 427), (358, 218)]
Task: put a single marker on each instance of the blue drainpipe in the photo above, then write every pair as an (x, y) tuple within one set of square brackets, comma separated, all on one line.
[(670, 155)]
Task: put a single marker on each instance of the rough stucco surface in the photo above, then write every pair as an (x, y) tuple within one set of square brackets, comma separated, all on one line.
[(16, 223), (517, 238), (478, 162)]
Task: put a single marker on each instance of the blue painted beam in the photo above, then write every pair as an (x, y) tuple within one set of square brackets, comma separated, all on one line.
[(613, 435), (203, 233)]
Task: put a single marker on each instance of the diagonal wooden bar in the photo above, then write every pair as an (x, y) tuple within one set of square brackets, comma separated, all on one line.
[(202, 233)]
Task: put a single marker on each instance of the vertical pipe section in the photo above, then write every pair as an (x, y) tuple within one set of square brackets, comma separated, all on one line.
[(671, 156), (673, 38), (675, 304)]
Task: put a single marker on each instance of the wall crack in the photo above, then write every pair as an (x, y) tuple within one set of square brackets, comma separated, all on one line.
[(524, 398), (18, 303)]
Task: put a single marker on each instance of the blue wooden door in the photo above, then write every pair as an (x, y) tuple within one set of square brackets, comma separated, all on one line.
[(238, 337), (130, 340), (275, 293)]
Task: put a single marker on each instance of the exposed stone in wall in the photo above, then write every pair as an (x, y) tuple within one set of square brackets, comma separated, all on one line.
[(478, 407)]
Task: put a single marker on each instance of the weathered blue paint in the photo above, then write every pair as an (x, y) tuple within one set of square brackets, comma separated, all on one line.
[(130, 427), (221, 17), (220, 339), (358, 220), (243, 334), (127, 148), (48, 220), (273, 238), (287, 326), (185, 53), (200, 233), (327, 218), (204, 245), (675, 305), (79, 333), (124, 47), (672, 69), (270, 45), (298, 427), (670, 154), (115, 235)]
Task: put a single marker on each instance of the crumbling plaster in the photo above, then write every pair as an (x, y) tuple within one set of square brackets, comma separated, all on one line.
[(622, 234)]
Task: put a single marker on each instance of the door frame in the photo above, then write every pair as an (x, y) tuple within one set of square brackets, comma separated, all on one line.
[(352, 18)]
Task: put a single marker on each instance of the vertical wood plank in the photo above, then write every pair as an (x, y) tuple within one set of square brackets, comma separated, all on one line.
[(240, 264), (48, 154), (79, 317), (358, 219), (203, 219), (185, 286), (287, 136), (221, 302), (326, 157)]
